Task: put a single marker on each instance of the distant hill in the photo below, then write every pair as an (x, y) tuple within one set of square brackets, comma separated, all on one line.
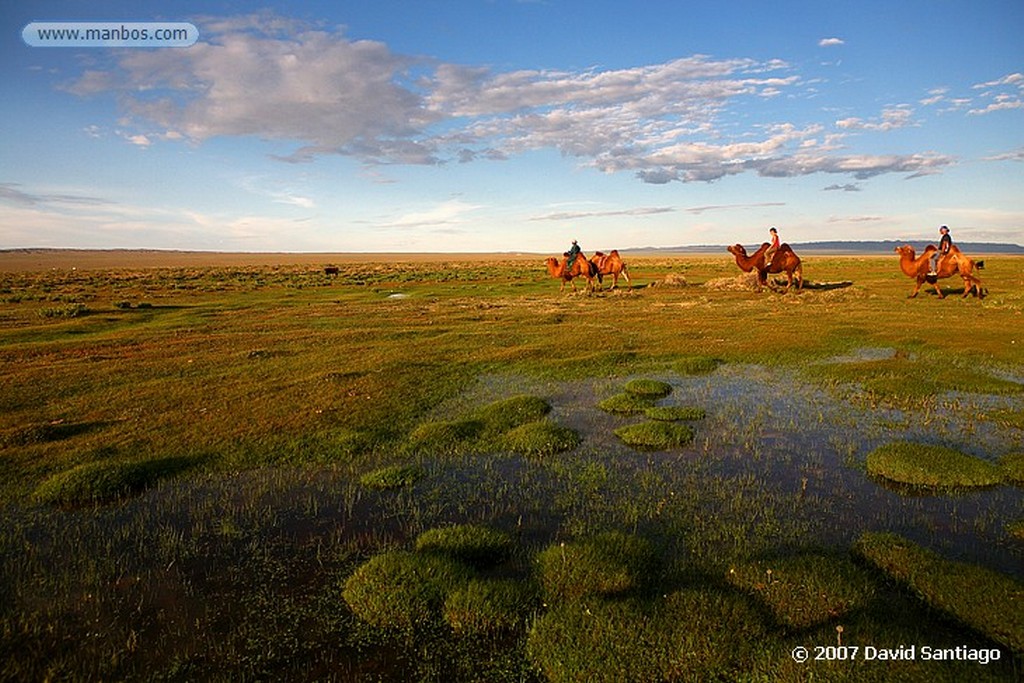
[(851, 247)]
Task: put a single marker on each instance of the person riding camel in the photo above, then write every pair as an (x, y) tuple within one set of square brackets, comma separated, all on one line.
[(773, 247), (570, 256), (945, 244)]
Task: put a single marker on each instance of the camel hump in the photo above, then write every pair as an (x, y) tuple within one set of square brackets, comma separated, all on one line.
[(598, 253)]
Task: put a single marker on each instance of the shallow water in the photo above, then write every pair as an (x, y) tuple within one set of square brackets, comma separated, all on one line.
[(797, 441)]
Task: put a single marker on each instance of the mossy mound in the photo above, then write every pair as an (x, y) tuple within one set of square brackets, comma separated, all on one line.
[(687, 635), (985, 600), (605, 564), (99, 482), (1013, 467), (931, 466), (541, 438), (657, 435), (805, 590), (501, 416), (475, 545), (446, 436), (648, 388), (404, 590), (697, 365), (491, 606), (626, 404), (393, 477), (674, 413)]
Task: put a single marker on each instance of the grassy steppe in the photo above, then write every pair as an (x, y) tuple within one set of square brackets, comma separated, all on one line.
[(242, 405)]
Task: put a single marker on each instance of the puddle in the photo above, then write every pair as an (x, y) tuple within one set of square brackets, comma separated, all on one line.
[(796, 440)]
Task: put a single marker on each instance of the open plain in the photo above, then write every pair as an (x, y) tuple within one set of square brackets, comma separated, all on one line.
[(435, 467)]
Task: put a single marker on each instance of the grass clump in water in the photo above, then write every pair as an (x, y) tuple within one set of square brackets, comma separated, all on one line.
[(475, 545), (605, 564), (446, 436), (99, 482), (656, 435), (1013, 467), (805, 590), (393, 477), (931, 466), (697, 365), (674, 413), (501, 416), (985, 600), (687, 635), (404, 590), (541, 438), (649, 388), (625, 404), (491, 606)]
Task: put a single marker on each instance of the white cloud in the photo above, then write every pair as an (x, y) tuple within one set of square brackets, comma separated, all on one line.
[(830, 42), (275, 78), (451, 212)]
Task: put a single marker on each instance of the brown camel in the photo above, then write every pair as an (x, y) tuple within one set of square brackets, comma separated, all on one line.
[(784, 260), (952, 263), (581, 267), (610, 264)]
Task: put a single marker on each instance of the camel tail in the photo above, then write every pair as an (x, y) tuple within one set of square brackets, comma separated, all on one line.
[(625, 272)]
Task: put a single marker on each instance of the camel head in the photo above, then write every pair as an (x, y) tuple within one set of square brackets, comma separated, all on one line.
[(737, 250), (906, 251)]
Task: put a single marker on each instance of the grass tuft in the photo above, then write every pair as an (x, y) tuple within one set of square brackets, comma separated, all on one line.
[(674, 413), (805, 590), (605, 564), (475, 545), (687, 635), (648, 388), (1013, 467), (501, 416), (931, 466), (446, 436), (657, 435), (491, 606), (99, 482), (541, 438), (979, 597), (404, 590), (625, 404), (697, 365), (393, 477)]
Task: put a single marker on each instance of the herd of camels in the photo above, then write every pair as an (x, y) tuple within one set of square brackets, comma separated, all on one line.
[(784, 260)]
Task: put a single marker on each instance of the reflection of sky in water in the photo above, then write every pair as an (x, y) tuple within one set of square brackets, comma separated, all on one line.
[(797, 439)]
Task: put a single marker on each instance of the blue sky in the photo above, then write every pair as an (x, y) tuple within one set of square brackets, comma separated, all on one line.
[(496, 125)]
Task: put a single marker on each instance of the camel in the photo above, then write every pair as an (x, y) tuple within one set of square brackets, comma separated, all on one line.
[(581, 267), (953, 263), (784, 260), (610, 264)]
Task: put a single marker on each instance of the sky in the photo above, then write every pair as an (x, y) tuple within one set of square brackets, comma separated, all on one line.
[(515, 126)]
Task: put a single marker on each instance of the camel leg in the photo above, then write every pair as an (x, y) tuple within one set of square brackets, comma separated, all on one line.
[(625, 273)]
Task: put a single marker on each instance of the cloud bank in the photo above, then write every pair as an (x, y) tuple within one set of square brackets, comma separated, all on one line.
[(280, 79)]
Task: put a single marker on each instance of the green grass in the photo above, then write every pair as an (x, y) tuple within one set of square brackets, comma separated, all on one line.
[(649, 388), (402, 590), (283, 388), (392, 477), (607, 564), (100, 482), (931, 466), (625, 404), (542, 438), (805, 590), (656, 435), (1012, 465), (674, 413), (984, 600), (475, 545)]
